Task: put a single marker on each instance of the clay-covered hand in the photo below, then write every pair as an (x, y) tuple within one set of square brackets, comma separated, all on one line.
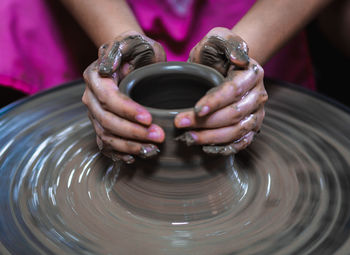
[(123, 127), (227, 118)]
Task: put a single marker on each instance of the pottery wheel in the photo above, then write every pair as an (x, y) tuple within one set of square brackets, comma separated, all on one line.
[(288, 193)]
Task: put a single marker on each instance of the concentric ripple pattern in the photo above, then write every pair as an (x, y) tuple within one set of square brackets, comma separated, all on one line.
[(288, 193)]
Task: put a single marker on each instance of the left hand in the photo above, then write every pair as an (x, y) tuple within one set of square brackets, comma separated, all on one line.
[(228, 117), (124, 128)]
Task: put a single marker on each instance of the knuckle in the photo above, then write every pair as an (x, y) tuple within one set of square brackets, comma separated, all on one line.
[(232, 83), (100, 132), (236, 118), (229, 89), (236, 113), (261, 70), (237, 90), (201, 138), (137, 135), (244, 130), (84, 99), (86, 74), (106, 139), (132, 147), (264, 97), (105, 120), (103, 97), (248, 125)]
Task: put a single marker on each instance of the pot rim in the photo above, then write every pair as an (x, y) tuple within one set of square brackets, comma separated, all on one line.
[(171, 67)]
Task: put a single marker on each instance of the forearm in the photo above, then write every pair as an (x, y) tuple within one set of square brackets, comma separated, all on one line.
[(103, 20), (270, 23)]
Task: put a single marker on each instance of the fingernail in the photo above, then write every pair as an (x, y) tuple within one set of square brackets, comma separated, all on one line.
[(154, 135), (201, 110), (185, 122), (142, 118), (147, 151)]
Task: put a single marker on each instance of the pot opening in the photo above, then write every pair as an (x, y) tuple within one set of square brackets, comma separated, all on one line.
[(170, 91)]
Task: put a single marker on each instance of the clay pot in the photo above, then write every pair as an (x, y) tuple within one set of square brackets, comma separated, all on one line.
[(167, 89)]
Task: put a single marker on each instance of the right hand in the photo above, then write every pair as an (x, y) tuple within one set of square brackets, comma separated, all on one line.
[(123, 127), (227, 118)]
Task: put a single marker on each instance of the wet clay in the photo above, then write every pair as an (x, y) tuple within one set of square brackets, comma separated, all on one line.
[(186, 138), (285, 194), (149, 151), (134, 50), (220, 53), (220, 149)]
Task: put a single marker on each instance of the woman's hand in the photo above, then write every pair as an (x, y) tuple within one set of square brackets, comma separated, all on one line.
[(227, 118), (123, 127)]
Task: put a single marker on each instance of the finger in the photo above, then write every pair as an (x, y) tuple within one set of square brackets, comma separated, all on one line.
[(231, 148), (232, 90), (234, 48), (116, 156), (160, 55), (226, 116), (102, 50), (220, 48), (130, 147), (225, 134), (131, 48), (109, 59), (107, 93), (109, 142), (112, 154), (237, 51), (121, 127), (139, 51)]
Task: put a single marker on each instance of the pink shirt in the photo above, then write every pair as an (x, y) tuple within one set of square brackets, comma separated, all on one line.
[(180, 24), (32, 53), (33, 56)]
